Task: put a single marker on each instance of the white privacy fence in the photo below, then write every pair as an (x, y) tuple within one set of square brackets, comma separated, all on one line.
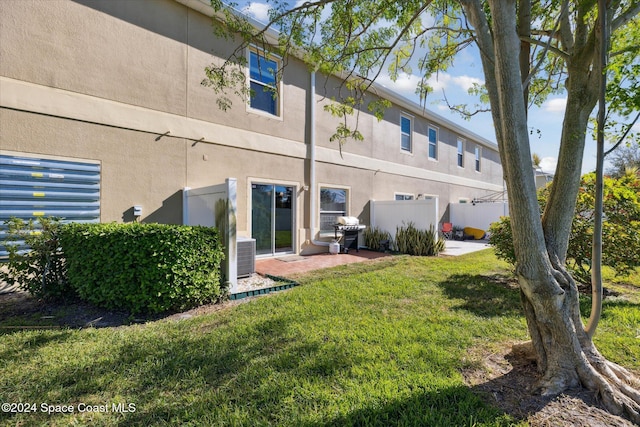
[(388, 215), (215, 206), (480, 215)]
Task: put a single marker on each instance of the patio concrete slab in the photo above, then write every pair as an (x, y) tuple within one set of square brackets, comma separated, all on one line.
[(286, 266), (461, 247)]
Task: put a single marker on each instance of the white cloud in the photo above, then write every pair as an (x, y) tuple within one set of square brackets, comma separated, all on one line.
[(467, 82), (405, 84), (258, 11), (439, 81), (444, 81), (548, 164), (556, 105)]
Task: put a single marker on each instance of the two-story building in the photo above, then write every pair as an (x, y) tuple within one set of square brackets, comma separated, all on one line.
[(103, 109)]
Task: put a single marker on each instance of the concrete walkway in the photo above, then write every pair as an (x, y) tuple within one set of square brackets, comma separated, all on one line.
[(461, 247)]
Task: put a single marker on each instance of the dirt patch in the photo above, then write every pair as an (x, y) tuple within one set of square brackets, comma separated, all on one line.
[(505, 379), (19, 311)]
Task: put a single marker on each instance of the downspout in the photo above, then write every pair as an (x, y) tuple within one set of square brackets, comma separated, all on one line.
[(312, 161)]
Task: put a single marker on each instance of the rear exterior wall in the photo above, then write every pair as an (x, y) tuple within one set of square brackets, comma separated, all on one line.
[(120, 83)]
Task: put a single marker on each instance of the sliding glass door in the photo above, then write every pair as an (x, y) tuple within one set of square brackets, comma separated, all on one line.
[(272, 218)]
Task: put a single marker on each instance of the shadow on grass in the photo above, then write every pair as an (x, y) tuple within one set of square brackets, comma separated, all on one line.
[(246, 375), (487, 296), (451, 406), (257, 373), (511, 393), (28, 346), (20, 311), (499, 295)]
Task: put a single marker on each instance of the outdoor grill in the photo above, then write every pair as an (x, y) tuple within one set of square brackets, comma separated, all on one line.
[(349, 229)]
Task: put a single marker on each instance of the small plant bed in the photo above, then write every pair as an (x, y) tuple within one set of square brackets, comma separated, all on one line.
[(408, 240), (264, 285)]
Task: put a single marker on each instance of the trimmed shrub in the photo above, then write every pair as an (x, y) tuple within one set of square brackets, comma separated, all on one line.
[(620, 228), (35, 262), (410, 240), (373, 238), (144, 267), (501, 239)]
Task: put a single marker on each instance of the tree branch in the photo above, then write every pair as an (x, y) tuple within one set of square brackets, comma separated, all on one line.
[(547, 45), (625, 16), (626, 132), (566, 34), (464, 112)]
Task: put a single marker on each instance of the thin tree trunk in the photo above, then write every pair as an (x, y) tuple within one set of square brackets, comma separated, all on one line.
[(596, 253), (559, 211)]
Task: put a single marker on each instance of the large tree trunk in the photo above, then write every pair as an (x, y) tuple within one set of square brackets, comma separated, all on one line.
[(565, 354)]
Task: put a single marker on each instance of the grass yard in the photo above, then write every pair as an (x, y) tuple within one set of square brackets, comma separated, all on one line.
[(371, 344)]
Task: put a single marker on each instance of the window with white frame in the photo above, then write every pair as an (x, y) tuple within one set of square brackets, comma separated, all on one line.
[(478, 157), (404, 196), (263, 82), (460, 153), (433, 142), (333, 203), (405, 132), (426, 197)]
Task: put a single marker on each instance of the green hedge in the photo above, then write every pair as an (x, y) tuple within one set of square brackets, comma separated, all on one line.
[(143, 267), (620, 227)]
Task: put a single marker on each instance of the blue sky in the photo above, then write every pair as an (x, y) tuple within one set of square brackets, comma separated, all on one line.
[(545, 122)]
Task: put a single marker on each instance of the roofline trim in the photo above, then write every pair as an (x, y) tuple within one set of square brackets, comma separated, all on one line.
[(376, 88)]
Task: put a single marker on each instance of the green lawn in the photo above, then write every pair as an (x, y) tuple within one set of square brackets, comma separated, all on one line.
[(375, 344)]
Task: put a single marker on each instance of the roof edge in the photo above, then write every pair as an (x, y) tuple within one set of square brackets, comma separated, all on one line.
[(205, 8)]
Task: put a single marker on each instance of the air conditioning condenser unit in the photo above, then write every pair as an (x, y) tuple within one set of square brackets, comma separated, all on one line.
[(246, 260)]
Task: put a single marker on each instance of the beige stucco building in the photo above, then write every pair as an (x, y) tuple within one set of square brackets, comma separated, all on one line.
[(118, 84)]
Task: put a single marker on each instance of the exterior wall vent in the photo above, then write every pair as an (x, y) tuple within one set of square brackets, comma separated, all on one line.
[(246, 256), (33, 187)]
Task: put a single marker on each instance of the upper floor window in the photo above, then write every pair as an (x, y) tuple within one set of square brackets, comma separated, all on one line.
[(433, 142), (405, 132), (263, 71), (460, 153), (478, 157)]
